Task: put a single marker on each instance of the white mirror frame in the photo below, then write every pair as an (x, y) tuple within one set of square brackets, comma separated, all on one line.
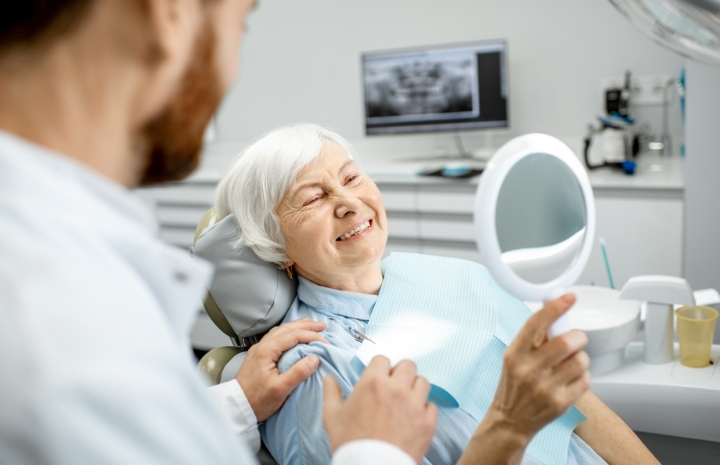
[(486, 198)]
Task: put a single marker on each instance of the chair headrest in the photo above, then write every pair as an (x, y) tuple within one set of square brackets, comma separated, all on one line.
[(252, 294)]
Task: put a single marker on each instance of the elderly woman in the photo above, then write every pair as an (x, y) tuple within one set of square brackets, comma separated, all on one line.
[(302, 202)]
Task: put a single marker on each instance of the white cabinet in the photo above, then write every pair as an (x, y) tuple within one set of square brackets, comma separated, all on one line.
[(431, 216), (179, 207), (643, 234)]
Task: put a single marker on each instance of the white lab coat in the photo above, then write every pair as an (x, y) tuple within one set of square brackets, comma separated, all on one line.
[(95, 314)]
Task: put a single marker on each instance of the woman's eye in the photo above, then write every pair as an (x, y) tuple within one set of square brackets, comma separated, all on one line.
[(351, 179), (311, 201)]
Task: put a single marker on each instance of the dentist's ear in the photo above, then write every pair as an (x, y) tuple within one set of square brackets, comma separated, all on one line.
[(161, 45), (174, 25)]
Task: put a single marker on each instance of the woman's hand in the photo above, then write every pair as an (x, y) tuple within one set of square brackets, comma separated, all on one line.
[(541, 378), (387, 404)]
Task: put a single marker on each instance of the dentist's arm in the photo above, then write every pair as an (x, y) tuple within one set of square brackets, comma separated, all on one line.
[(539, 381)]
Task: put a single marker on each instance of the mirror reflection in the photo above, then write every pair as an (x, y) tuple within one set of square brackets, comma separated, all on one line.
[(540, 218)]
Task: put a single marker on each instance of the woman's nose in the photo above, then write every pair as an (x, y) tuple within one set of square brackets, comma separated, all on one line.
[(347, 205)]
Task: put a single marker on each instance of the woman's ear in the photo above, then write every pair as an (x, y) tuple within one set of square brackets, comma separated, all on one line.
[(289, 269)]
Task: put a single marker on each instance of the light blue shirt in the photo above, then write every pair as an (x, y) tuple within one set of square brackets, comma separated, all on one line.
[(295, 434)]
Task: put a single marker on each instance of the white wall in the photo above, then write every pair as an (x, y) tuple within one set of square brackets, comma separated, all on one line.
[(702, 191), (301, 62)]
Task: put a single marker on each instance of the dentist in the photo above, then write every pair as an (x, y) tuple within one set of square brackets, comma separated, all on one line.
[(96, 98)]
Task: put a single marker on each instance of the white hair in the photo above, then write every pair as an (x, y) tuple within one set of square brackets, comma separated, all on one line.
[(259, 178)]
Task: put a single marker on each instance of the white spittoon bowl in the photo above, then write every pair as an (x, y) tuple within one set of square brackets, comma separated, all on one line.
[(610, 324)]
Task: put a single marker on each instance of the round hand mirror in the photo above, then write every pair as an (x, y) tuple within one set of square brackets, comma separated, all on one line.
[(535, 219)]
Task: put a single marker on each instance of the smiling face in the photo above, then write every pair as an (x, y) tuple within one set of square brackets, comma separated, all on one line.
[(333, 221)]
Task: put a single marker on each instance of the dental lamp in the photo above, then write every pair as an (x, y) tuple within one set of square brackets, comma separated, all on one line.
[(688, 27)]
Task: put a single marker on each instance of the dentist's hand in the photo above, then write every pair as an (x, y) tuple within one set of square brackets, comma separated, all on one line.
[(264, 386), (540, 379), (387, 404)]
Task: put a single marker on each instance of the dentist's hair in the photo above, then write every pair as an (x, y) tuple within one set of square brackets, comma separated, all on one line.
[(258, 179)]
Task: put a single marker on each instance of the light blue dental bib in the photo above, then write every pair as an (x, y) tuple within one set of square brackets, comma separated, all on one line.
[(455, 322)]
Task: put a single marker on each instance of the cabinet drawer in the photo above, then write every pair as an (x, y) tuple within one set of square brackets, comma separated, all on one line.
[(447, 229), (181, 237), (201, 196), (399, 201), (187, 217), (446, 202)]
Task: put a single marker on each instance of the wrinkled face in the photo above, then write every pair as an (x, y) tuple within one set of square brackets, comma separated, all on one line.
[(333, 217), (171, 143)]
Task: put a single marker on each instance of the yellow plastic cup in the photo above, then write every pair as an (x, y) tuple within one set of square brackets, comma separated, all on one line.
[(696, 326)]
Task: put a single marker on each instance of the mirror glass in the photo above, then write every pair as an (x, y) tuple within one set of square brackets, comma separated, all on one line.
[(540, 218)]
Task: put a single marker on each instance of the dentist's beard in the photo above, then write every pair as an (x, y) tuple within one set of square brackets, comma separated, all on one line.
[(172, 142)]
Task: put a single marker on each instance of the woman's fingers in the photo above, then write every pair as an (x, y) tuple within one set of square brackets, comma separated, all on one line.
[(571, 368), (578, 387), (534, 333), (541, 377), (555, 351)]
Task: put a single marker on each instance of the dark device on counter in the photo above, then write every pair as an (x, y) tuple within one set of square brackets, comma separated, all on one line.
[(617, 100)]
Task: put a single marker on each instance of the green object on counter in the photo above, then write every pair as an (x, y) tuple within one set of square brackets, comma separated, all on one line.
[(607, 263)]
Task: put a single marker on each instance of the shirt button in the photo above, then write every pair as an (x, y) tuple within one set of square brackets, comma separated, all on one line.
[(180, 277)]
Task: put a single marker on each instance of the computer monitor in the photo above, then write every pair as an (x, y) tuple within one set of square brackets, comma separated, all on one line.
[(439, 88)]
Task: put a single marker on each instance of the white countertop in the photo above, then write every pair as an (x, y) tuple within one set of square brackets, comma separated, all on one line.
[(653, 172), (669, 399)]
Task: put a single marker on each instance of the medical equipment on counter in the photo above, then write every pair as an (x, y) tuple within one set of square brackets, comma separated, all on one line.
[(535, 219), (620, 144), (617, 99), (660, 293)]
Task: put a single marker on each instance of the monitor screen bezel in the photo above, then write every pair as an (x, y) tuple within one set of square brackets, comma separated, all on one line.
[(419, 128)]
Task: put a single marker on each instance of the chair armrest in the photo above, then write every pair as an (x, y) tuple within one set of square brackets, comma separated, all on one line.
[(213, 363)]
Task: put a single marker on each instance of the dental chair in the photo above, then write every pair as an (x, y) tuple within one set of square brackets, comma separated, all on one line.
[(248, 297)]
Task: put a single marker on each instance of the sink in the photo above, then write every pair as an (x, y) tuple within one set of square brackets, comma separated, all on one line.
[(610, 324)]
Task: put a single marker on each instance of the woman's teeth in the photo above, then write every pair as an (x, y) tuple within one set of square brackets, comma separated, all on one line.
[(355, 231)]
